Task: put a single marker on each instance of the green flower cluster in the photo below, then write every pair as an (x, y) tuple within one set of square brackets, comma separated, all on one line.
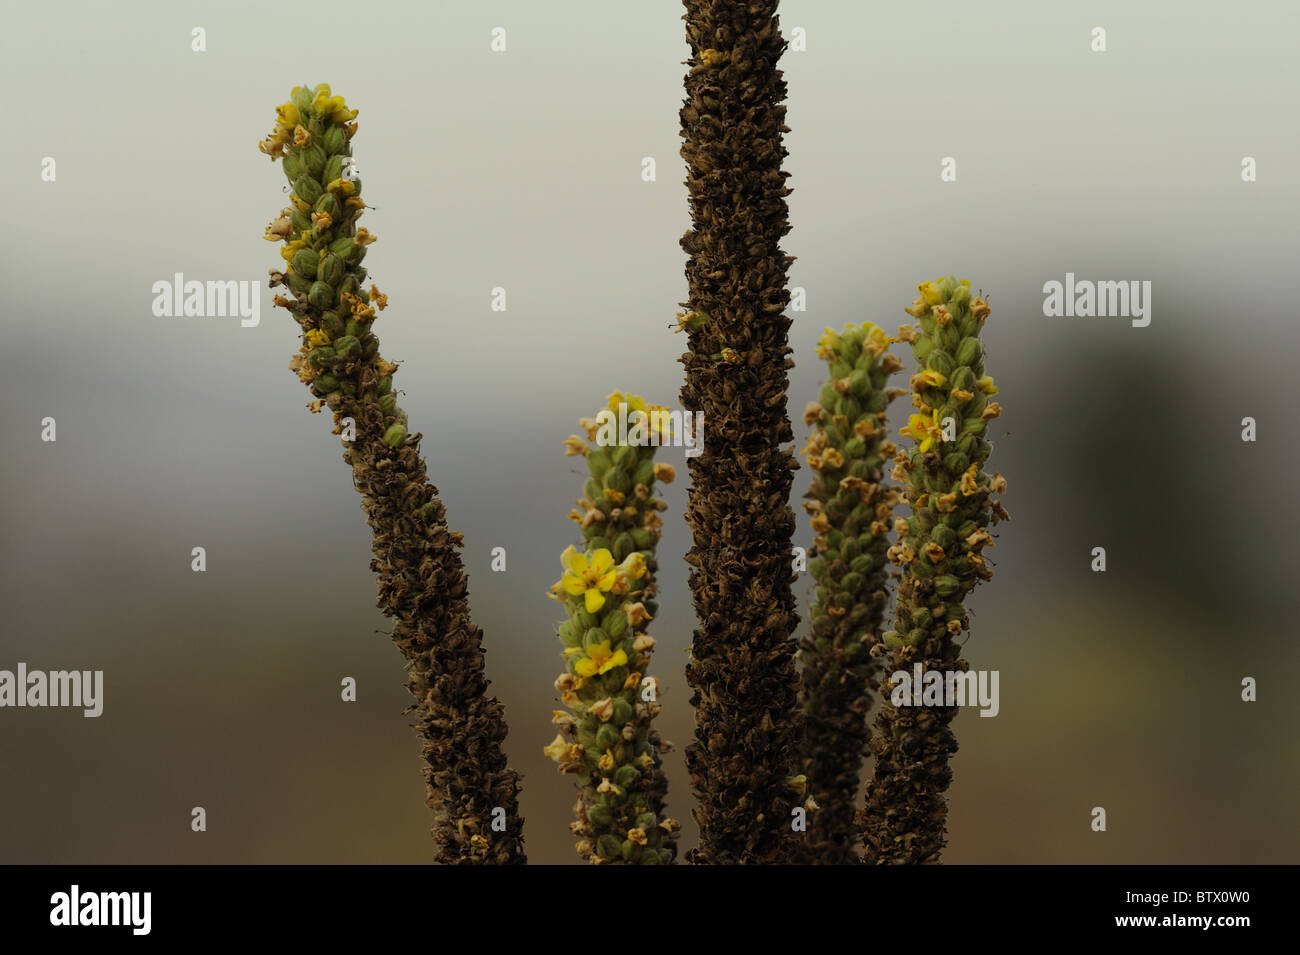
[(851, 510), (940, 549), (605, 737)]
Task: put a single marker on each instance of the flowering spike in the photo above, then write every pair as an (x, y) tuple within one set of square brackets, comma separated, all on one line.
[(938, 550), (851, 508), (608, 589)]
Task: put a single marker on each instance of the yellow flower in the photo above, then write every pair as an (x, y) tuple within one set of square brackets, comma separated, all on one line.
[(924, 430), (633, 566), (659, 422), (316, 338), (600, 660), (930, 293), (591, 579), (932, 379), (633, 402), (986, 385), (557, 748), (287, 115), (332, 107), (876, 340)]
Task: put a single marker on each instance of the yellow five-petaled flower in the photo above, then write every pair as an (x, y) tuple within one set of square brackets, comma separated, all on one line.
[(599, 659), (591, 579), (924, 430)]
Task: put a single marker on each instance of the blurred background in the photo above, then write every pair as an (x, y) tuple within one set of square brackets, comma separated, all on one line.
[(522, 169)]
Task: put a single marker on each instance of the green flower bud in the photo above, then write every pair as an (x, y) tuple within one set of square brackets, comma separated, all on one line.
[(643, 538), (969, 351), (626, 775), (301, 221), (305, 262), (569, 636), (335, 140), (623, 713), (600, 815), (616, 479), (609, 847), (328, 203), (607, 737), (385, 385), (313, 162), (956, 462), (346, 249), (299, 284), (325, 383), (644, 473), (347, 347), (395, 435), (307, 189), (331, 323), (593, 636), (598, 462), (388, 404), (615, 624), (625, 456), (330, 269), (623, 546), (293, 166), (941, 362), (321, 295), (946, 585), (321, 357), (862, 564), (333, 169)]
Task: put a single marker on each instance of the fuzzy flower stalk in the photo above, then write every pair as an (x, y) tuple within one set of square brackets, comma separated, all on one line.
[(422, 584), (851, 509), (940, 549), (605, 736), (741, 671)]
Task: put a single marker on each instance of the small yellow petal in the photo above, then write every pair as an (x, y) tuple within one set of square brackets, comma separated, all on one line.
[(595, 600), (617, 660), (601, 561)]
